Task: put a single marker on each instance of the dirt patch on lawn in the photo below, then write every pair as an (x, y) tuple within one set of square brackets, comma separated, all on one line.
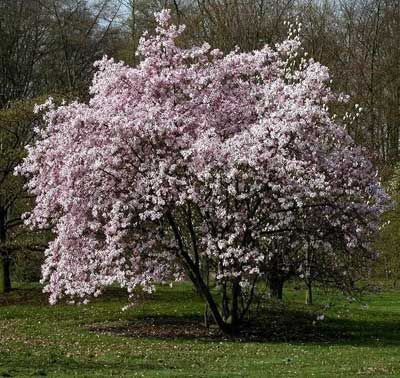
[(303, 330), (160, 327)]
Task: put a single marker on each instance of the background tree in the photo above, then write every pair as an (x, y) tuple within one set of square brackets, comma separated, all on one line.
[(17, 125), (389, 241), (23, 30), (80, 33)]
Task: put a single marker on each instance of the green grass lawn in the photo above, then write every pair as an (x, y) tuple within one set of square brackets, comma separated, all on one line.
[(158, 337)]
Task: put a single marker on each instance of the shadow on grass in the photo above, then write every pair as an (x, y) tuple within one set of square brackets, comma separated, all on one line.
[(34, 296), (279, 323), (292, 326), (24, 296)]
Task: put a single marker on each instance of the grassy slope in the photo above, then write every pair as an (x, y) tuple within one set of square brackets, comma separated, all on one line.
[(36, 339)]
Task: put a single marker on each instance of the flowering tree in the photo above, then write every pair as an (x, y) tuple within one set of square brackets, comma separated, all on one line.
[(200, 164)]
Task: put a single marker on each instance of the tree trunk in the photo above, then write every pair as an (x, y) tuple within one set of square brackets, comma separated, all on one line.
[(194, 272), (224, 326), (276, 277), (206, 323), (308, 277), (206, 278), (235, 306), (4, 256), (309, 297), (2, 286), (5, 276), (276, 288)]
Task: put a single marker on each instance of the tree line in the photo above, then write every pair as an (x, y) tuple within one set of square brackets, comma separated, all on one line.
[(48, 47)]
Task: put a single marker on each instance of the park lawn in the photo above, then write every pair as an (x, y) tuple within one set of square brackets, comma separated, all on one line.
[(88, 341)]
